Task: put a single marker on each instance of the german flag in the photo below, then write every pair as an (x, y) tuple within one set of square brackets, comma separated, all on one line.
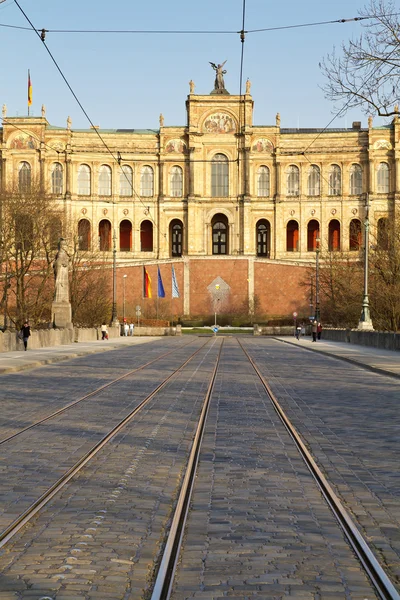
[(146, 284), (29, 89)]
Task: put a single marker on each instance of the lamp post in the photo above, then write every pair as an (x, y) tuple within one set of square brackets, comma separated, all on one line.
[(114, 317), (365, 322), (317, 250), (123, 303), (215, 306)]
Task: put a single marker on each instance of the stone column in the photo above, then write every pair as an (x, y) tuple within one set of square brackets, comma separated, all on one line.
[(191, 171)]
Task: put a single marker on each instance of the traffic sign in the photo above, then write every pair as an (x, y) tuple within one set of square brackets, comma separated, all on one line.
[(295, 314), (215, 329)]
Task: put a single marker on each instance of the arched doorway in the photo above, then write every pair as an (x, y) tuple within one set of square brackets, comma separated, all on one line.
[(292, 236), (334, 236), (125, 236), (146, 236), (263, 238), (176, 237), (312, 235), (382, 237), (355, 235), (105, 235), (220, 236)]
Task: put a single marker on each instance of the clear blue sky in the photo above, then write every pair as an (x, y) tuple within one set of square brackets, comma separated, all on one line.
[(127, 80)]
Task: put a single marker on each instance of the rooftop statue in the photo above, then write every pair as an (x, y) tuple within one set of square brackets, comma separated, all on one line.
[(219, 85)]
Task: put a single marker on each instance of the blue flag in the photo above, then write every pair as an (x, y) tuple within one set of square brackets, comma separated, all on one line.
[(161, 291)]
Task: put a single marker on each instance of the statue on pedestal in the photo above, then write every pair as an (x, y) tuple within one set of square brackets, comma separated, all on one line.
[(219, 84), (191, 86), (61, 304)]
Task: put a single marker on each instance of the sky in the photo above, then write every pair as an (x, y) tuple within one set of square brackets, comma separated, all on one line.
[(125, 80)]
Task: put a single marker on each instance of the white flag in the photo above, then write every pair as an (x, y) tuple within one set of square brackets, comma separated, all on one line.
[(175, 289)]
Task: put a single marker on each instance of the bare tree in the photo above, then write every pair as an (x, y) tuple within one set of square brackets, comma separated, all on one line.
[(366, 74)]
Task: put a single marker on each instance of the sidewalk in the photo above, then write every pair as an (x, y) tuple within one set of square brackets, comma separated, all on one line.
[(11, 362), (386, 362)]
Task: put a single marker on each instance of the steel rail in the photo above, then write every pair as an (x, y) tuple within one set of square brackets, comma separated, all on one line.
[(89, 395), (34, 508), (165, 575), (373, 568)]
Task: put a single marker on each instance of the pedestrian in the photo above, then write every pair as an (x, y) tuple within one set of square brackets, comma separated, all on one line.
[(104, 332), (298, 331), (314, 330), (126, 329), (131, 328), (319, 330), (25, 334), (303, 329)]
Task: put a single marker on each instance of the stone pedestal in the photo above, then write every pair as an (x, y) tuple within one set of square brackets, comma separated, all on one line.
[(62, 315)]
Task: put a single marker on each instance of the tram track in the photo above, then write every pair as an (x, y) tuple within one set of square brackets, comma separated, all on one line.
[(58, 485)]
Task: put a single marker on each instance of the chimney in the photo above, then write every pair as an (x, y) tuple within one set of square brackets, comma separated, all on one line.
[(356, 124)]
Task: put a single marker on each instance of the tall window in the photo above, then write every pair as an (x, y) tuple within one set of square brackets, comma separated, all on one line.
[(176, 182), (335, 181), (57, 179), (263, 238), (105, 235), (313, 181), (24, 177), (105, 180), (146, 236), (355, 234), (293, 180), (263, 182), (312, 235), (125, 236), (176, 234), (383, 234), (84, 234), (220, 235), (355, 180), (125, 181), (84, 188), (292, 236), (383, 178), (334, 236), (219, 176), (146, 182)]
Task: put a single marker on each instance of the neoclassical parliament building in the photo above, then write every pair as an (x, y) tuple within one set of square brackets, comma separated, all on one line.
[(221, 198)]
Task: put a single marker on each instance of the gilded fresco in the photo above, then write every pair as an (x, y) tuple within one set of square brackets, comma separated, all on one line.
[(175, 146), (219, 123), (23, 141), (263, 145)]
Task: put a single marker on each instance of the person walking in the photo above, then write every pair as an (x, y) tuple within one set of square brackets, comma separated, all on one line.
[(126, 329), (314, 330), (131, 328), (104, 332), (319, 330), (25, 334), (298, 331)]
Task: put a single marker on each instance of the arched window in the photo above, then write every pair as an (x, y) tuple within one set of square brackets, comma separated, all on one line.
[(355, 180), (383, 178), (125, 181), (220, 235), (293, 180), (263, 182), (355, 235), (84, 234), (335, 181), (312, 235), (57, 179), (125, 236), (219, 176), (263, 238), (24, 232), (314, 181), (146, 182), (146, 236), (105, 180), (383, 234), (55, 231), (176, 237), (105, 235), (84, 188), (176, 182), (292, 236), (334, 236), (24, 177)]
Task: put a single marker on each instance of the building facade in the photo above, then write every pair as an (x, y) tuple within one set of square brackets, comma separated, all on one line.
[(219, 188)]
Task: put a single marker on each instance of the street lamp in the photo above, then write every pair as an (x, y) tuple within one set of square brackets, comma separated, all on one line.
[(317, 250), (123, 304), (114, 317), (215, 306), (365, 322)]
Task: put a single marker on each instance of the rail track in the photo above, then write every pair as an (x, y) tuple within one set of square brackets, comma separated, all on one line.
[(172, 537)]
